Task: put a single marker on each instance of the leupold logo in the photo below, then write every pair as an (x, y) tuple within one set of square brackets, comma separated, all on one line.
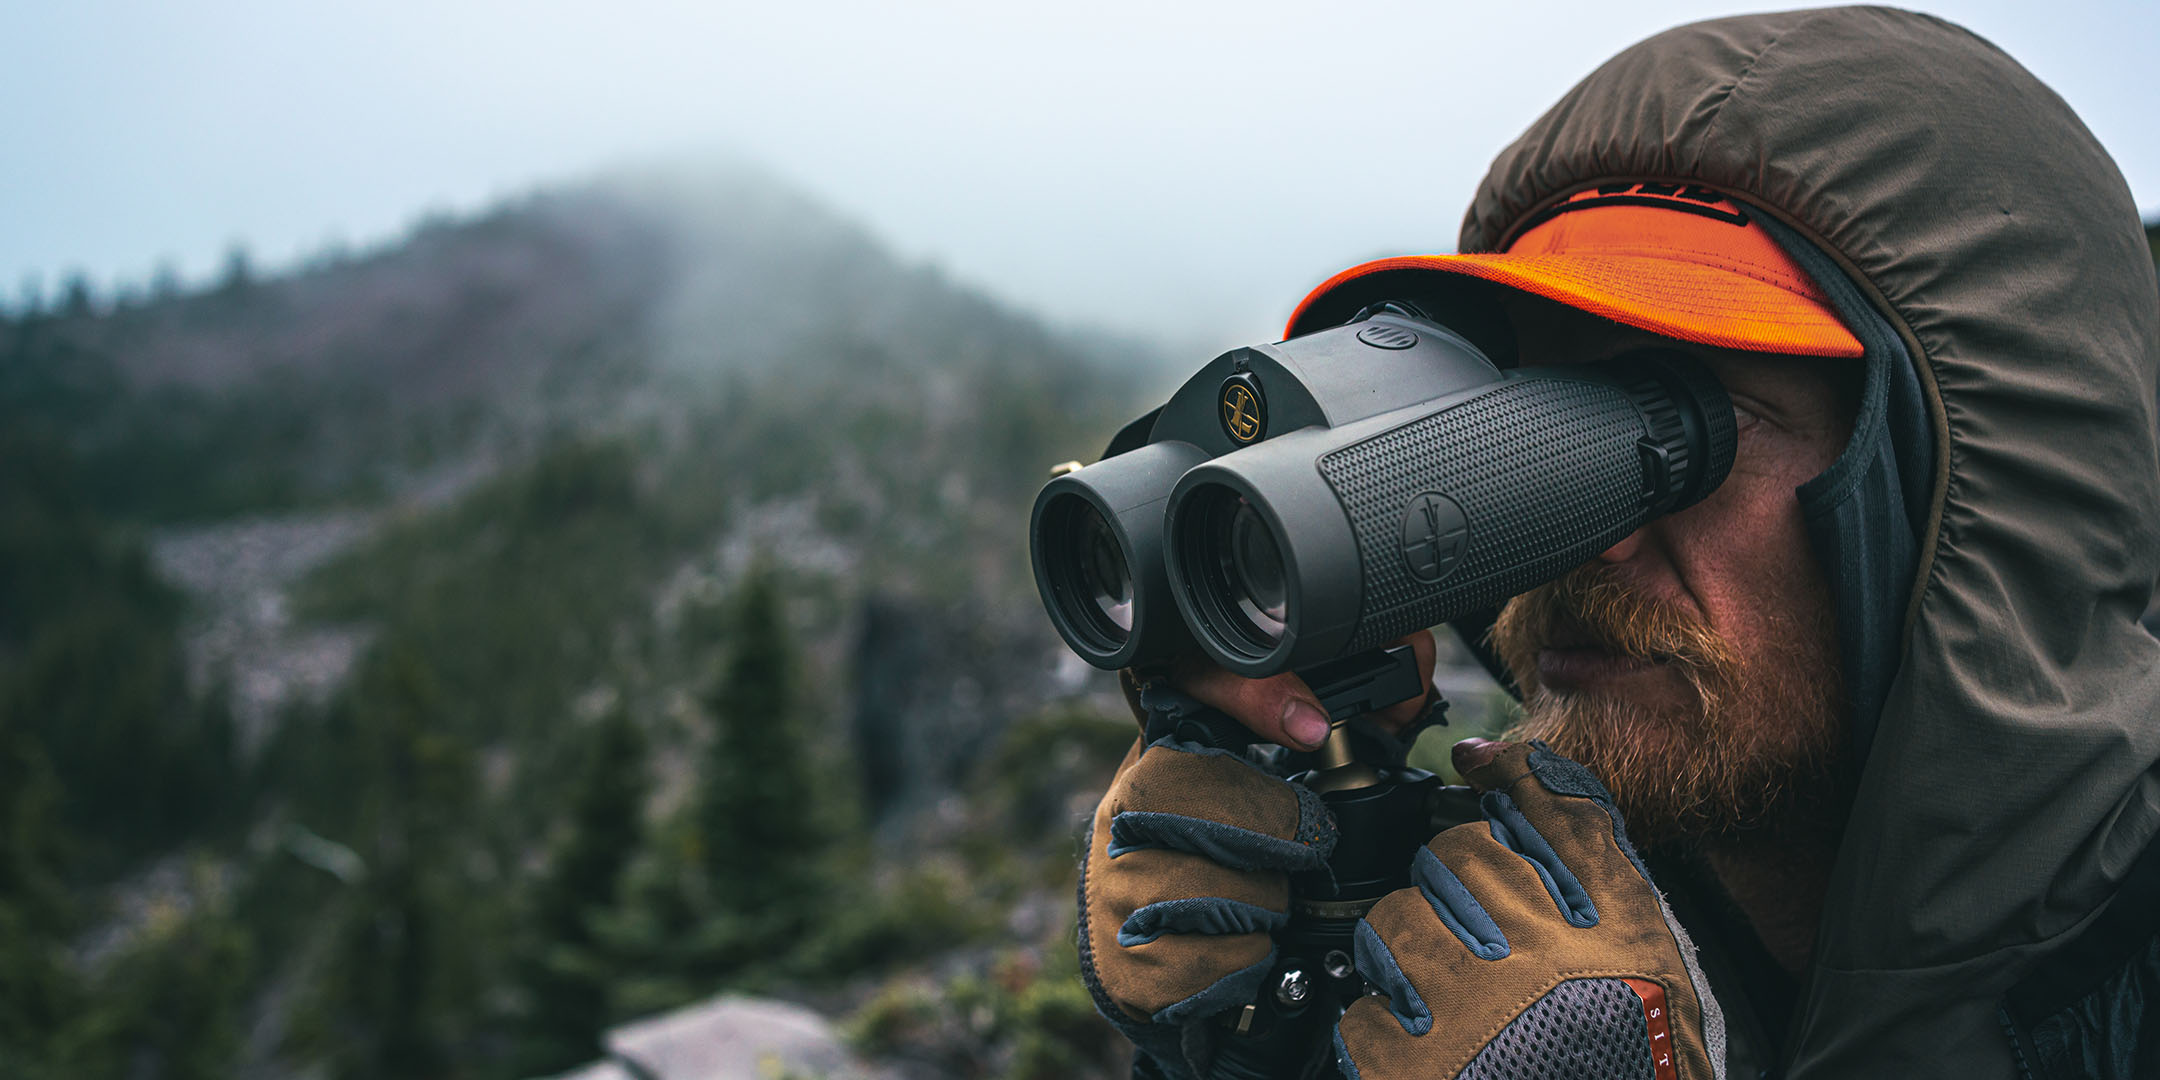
[(1244, 411), (1435, 534)]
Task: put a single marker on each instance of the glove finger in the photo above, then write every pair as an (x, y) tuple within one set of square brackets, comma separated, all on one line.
[(1215, 803), (1448, 926), (1376, 962), (1224, 845), (1180, 944), (1469, 874), (1159, 965), (1142, 878), (1185, 976), (1147, 927), (1515, 832), (1456, 908), (1540, 781), (1186, 880), (1503, 769), (1211, 915), (1575, 814), (1370, 1042)]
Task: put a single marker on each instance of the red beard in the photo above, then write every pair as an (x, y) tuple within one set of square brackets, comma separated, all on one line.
[(1758, 737)]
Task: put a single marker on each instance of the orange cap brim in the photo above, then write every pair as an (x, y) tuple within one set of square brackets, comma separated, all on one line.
[(1654, 269)]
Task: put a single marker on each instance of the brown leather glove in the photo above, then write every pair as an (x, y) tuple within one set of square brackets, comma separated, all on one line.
[(1532, 945), (1186, 881)]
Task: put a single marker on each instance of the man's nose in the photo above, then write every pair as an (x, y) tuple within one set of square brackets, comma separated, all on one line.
[(1624, 550)]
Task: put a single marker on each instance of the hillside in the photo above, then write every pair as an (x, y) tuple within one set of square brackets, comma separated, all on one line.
[(394, 652)]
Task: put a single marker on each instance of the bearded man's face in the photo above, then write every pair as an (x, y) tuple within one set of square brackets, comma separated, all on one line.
[(1693, 666), (1695, 735)]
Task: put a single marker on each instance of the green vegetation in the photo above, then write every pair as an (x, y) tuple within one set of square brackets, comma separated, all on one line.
[(105, 758), (1027, 1018), (1026, 1015), (516, 593), (91, 684), (564, 967), (601, 752), (177, 452), (766, 839), (403, 974)]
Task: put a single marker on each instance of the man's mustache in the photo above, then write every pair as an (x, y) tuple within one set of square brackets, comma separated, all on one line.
[(1595, 607)]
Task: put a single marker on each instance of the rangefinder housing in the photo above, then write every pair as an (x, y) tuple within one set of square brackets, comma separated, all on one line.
[(1299, 502), (1409, 519)]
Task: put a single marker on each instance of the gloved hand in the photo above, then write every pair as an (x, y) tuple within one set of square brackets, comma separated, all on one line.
[(1186, 881), (1531, 945)]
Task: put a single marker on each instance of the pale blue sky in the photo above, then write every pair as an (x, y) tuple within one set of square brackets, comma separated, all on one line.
[(1184, 171)]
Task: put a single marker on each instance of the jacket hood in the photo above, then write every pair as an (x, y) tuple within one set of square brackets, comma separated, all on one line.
[(2011, 729)]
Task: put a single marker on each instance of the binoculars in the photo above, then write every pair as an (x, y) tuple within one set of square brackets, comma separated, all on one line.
[(1313, 499)]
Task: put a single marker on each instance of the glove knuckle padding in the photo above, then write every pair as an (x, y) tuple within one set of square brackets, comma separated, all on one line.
[(1187, 878), (1549, 872), (1213, 803)]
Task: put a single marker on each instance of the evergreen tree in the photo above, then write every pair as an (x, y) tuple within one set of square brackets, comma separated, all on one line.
[(164, 282), (404, 982), (567, 971), (239, 273), (762, 820), (50, 1026), (90, 662), (76, 301)]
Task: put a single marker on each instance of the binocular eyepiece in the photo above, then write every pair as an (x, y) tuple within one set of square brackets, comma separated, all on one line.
[(1303, 501)]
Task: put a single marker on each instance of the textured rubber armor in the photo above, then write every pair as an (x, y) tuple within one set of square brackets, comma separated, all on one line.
[(1586, 1029), (1581, 436)]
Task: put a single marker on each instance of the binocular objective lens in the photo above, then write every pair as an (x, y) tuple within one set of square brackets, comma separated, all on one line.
[(1104, 577), (1253, 567)]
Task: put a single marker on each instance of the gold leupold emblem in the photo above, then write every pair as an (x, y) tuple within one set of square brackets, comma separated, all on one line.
[(1244, 416)]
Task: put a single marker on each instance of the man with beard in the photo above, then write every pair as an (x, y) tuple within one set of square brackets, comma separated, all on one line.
[(1693, 666), (1877, 728)]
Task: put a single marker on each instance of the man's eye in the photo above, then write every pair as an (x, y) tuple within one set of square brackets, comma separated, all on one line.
[(1742, 418)]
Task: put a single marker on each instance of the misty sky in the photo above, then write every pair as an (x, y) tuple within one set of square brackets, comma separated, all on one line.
[(1180, 171)]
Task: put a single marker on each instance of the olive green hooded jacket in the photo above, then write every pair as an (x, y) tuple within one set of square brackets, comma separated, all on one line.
[(1990, 532)]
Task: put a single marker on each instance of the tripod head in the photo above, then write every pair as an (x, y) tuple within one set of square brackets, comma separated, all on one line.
[(1384, 811)]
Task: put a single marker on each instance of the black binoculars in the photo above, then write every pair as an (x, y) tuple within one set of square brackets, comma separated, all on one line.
[(1313, 499)]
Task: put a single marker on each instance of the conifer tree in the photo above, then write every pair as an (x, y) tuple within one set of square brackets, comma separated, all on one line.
[(762, 819), (566, 971), (75, 296), (403, 982), (50, 1026), (239, 272)]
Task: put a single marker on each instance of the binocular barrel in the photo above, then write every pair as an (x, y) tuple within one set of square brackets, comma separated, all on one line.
[(1411, 482), (1098, 556)]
